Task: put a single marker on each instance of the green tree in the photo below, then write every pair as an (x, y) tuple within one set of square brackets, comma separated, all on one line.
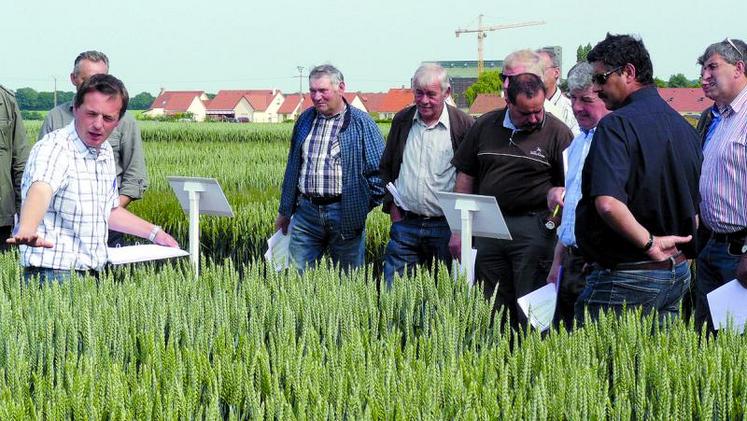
[(660, 83), (679, 81), (582, 51), (489, 82), (141, 101)]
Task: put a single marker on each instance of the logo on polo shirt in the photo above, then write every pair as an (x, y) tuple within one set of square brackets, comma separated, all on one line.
[(538, 153)]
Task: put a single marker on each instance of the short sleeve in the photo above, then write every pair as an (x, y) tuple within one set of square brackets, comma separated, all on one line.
[(48, 162)]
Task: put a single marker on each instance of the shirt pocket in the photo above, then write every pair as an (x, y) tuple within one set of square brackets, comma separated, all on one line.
[(442, 154), (5, 133)]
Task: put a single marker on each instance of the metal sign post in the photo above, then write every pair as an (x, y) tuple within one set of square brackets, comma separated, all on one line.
[(198, 195)]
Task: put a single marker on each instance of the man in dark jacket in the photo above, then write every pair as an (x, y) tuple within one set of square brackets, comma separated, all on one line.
[(417, 163), (14, 151)]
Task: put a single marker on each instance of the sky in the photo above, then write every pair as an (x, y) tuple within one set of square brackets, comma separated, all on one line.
[(249, 44)]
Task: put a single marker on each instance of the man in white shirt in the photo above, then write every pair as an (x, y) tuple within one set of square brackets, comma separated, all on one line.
[(70, 194), (555, 102)]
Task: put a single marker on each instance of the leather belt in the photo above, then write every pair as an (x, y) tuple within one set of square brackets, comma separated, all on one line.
[(652, 265), (737, 237), (323, 200), (412, 215)]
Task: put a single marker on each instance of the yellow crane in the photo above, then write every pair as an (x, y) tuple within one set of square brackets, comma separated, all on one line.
[(482, 33)]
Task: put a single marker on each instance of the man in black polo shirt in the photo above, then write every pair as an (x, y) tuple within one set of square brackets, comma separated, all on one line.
[(516, 155), (638, 210)]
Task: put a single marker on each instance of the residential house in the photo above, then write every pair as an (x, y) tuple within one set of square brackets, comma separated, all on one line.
[(176, 102), (485, 103), (259, 106), (689, 102)]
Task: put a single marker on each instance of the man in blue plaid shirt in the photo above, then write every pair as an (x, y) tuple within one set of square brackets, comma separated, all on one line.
[(332, 176)]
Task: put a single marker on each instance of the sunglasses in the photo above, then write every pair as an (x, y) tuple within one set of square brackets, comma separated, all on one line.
[(734, 46), (504, 76), (601, 78)]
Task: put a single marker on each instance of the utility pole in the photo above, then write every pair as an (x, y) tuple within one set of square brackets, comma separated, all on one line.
[(481, 32), (300, 79), (55, 90)]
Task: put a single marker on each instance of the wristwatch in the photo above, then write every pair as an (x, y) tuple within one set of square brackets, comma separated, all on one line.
[(153, 233), (650, 243)]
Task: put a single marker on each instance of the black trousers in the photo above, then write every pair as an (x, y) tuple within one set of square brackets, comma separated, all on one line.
[(513, 268), (5, 233), (573, 282)]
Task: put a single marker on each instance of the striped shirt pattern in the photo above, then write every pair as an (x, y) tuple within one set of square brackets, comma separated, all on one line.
[(723, 180), (84, 191), (321, 170), (577, 153)]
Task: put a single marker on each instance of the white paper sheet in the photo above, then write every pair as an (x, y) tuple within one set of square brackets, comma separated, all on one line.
[(729, 303), (142, 253), (277, 249), (539, 306), (396, 197)]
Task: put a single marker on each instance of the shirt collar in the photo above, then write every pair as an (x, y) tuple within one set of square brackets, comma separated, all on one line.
[(338, 115), (556, 96), (442, 119), (82, 147), (507, 123)]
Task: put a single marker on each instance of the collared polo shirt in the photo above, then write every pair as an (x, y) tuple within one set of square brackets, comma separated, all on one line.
[(84, 191), (648, 157), (517, 167), (723, 184), (426, 165)]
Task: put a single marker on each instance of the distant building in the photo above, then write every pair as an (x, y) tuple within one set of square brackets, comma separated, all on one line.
[(295, 104), (251, 105), (385, 105), (177, 102), (686, 101), (463, 73), (485, 103)]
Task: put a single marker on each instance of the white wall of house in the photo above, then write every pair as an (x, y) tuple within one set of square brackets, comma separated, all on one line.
[(243, 109), (357, 103), (197, 108), (154, 112), (270, 115)]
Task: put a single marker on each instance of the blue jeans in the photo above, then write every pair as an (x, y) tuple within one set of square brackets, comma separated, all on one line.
[(49, 276), (316, 228), (414, 241), (659, 290), (715, 267)]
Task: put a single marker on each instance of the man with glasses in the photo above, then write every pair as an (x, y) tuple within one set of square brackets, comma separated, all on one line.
[(723, 185), (556, 103), (638, 211), (516, 155)]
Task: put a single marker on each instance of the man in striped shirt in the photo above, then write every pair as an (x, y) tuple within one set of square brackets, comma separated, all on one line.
[(69, 189), (723, 181)]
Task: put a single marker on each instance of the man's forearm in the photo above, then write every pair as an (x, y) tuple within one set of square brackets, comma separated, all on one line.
[(124, 200), (34, 206), (617, 215), (464, 183), (122, 220)]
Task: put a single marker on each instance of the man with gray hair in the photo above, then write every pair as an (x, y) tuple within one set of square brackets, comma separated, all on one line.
[(556, 103), (332, 177), (588, 109), (723, 181), (129, 158), (417, 161)]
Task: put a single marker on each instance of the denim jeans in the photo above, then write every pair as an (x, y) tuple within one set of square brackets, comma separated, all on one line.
[(48, 276), (414, 241), (650, 290), (715, 267), (316, 229)]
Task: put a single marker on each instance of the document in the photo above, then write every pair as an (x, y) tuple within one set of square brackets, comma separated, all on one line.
[(539, 306), (142, 253), (277, 249), (396, 197), (727, 305)]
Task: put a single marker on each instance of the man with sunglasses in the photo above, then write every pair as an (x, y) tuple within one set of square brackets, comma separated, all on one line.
[(638, 213), (723, 185), (516, 155)]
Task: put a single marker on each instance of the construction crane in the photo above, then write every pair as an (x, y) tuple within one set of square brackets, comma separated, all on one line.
[(482, 33)]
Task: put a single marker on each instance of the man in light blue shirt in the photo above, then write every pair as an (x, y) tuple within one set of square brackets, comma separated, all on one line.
[(588, 110)]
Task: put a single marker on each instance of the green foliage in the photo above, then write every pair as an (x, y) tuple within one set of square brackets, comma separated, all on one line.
[(31, 115), (29, 99), (582, 51), (660, 83), (489, 82), (141, 101)]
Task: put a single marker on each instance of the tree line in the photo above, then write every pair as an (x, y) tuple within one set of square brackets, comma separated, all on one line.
[(30, 100)]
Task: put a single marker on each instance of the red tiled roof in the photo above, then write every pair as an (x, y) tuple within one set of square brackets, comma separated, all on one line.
[(259, 99), (685, 100), (175, 101), (390, 102), (487, 102)]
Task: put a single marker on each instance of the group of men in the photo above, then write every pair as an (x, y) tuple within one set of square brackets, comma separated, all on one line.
[(614, 160), (619, 165), (76, 181)]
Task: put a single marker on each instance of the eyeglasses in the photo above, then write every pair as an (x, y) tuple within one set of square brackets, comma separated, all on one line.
[(601, 78), (504, 76), (735, 46)]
